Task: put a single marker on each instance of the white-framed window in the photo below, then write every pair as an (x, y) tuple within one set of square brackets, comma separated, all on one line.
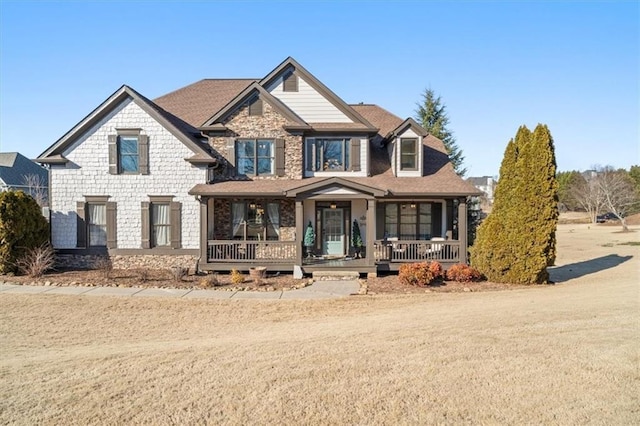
[(160, 224), (255, 157), (97, 224), (128, 156), (408, 154)]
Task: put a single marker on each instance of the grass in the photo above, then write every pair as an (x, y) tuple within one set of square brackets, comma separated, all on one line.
[(563, 354)]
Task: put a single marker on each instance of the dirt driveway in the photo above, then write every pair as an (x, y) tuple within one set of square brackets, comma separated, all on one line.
[(558, 354)]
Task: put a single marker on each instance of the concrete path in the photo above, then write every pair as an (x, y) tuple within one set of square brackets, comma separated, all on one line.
[(318, 290)]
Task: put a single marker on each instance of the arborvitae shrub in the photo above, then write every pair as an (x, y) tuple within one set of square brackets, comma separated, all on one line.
[(22, 228)]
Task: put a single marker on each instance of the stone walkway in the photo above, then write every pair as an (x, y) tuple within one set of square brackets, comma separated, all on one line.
[(318, 290)]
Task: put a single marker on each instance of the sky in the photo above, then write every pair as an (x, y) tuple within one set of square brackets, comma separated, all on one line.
[(496, 65)]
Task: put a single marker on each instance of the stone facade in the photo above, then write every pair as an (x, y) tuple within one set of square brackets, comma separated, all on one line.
[(87, 173), (72, 261), (268, 126)]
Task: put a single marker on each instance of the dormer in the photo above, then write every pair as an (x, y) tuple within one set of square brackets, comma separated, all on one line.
[(405, 147)]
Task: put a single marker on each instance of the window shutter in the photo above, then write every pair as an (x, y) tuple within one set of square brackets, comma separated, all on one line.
[(280, 157), (143, 153), (113, 154), (81, 225), (255, 107), (111, 226), (355, 155), (311, 154), (379, 220), (176, 225), (290, 82), (231, 154), (436, 219), (146, 225)]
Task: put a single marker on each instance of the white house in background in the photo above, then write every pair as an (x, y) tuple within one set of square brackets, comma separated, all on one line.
[(230, 172), (486, 184)]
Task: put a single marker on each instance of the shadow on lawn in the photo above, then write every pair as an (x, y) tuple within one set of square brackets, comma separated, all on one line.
[(579, 269)]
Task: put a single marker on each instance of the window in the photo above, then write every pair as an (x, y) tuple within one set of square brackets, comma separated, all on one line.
[(408, 154), (410, 221), (332, 154), (160, 224), (128, 152), (254, 221), (255, 157), (97, 224)]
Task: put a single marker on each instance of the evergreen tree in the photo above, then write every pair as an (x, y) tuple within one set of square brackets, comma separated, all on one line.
[(517, 241), (432, 115)]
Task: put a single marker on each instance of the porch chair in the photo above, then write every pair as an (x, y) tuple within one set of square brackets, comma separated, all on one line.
[(433, 250)]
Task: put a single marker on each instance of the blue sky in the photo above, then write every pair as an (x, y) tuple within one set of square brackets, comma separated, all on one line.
[(497, 65)]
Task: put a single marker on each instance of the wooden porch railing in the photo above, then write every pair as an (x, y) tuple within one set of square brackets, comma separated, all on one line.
[(251, 251), (417, 251)]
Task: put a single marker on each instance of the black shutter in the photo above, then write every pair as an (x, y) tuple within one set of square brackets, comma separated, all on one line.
[(145, 221), (143, 154), (112, 230), (379, 220), (113, 154), (280, 158), (81, 225), (355, 155), (176, 225)]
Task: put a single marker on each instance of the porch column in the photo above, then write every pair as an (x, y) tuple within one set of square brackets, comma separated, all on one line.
[(299, 231), (371, 231), (204, 252), (462, 229)]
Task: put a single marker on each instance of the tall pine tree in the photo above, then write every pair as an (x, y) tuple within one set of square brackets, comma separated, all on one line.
[(516, 243), (432, 115)]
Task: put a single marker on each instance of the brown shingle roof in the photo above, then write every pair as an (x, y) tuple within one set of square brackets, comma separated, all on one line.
[(379, 117), (197, 102)]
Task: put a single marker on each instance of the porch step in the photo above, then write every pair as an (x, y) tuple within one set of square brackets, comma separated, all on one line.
[(335, 275)]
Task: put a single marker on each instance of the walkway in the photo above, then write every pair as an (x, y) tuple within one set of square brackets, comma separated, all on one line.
[(318, 290)]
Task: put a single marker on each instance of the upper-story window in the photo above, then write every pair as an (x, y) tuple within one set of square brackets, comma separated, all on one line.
[(255, 157), (332, 154), (408, 154), (128, 152), (128, 157)]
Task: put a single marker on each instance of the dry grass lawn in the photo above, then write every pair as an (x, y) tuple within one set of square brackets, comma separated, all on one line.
[(562, 354)]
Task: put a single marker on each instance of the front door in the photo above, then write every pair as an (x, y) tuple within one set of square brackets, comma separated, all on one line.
[(333, 232)]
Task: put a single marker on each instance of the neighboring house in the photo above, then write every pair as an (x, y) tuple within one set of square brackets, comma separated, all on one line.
[(231, 172), (17, 172), (486, 184)]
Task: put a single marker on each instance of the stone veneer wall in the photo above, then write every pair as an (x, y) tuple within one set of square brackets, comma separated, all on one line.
[(268, 126), (222, 225), (74, 261)]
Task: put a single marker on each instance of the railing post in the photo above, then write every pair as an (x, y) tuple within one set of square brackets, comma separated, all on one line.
[(462, 229)]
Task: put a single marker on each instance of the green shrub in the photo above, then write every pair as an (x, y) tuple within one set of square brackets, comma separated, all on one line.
[(22, 228), (415, 274), (463, 274)]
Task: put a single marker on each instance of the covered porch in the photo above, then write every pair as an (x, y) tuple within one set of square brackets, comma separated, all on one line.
[(268, 229)]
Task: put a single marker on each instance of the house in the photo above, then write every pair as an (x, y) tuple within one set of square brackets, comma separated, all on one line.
[(17, 172), (230, 172)]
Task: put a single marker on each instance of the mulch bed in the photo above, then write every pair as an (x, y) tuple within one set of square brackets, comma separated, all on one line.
[(158, 278)]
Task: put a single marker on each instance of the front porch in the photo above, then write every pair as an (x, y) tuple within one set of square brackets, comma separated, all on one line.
[(314, 226)]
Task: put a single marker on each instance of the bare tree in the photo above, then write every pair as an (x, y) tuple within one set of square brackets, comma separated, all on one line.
[(618, 193), (37, 188), (588, 194)]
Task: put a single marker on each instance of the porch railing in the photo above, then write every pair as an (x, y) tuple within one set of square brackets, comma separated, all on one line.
[(417, 251), (251, 251)]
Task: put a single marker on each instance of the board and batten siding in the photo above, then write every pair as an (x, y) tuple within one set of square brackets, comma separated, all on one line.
[(87, 173), (307, 103), (364, 159)]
